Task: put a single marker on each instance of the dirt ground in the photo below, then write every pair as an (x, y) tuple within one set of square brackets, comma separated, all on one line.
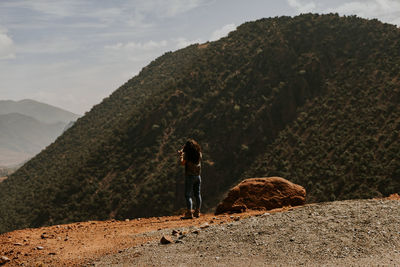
[(231, 239), (77, 244), (342, 233)]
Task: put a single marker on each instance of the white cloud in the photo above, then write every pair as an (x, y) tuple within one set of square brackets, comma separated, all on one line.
[(183, 42), (7, 48), (137, 46), (125, 60), (60, 8), (132, 13), (142, 53), (217, 34), (302, 7), (175, 7), (385, 10), (144, 13), (163, 8), (49, 46)]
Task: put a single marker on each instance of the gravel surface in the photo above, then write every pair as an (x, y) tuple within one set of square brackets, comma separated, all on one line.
[(351, 233), (80, 243)]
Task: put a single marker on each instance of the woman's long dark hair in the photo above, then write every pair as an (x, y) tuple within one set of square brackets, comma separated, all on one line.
[(192, 150)]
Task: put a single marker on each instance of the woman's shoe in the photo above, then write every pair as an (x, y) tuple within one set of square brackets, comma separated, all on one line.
[(196, 213), (188, 215)]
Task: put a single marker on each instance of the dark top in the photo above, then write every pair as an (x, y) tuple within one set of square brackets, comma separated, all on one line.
[(192, 168)]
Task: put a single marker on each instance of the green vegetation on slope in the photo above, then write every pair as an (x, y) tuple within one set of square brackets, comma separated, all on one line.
[(311, 98)]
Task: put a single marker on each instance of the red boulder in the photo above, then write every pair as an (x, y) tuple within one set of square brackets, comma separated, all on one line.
[(262, 194)]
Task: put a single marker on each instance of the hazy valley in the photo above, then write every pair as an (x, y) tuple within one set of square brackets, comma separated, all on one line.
[(27, 127)]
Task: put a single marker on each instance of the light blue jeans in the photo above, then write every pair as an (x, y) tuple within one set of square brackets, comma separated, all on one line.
[(192, 184)]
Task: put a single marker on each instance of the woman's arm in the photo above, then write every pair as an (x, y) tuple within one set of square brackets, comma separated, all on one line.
[(182, 160)]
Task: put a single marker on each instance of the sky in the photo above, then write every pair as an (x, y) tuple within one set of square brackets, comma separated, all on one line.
[(74, 53)]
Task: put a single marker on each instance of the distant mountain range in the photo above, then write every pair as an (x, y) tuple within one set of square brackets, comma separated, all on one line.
[(40, 111), (27, 127)]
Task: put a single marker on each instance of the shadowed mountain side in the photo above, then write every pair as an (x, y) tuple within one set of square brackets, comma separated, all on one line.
[(277, 97)]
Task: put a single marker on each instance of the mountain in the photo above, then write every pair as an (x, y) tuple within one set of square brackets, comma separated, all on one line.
[(313, 99), (22, 136), (4, 172), (40, 111), (27, 127)]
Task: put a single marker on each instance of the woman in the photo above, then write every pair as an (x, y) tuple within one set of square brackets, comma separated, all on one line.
[(190, 156)]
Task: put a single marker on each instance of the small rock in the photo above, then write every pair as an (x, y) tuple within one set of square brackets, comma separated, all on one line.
[(52, 253), (196, 232), (206, 225), (217, 258), (39, 248), (237, 219), (165, 240), (45, 236), (18, 244), (4, 260), (127, 220), (179, 241), (175, 232)]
